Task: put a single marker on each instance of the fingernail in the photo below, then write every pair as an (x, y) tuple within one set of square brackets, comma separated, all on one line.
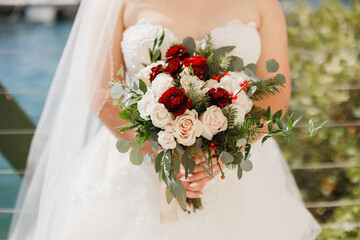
[(182, 171), (183, 179), (189, 175), (194, 184)]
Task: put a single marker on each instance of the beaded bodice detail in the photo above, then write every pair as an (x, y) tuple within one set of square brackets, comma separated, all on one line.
[(139, 38)]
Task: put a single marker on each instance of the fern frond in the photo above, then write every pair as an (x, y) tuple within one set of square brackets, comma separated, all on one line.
[(199, 101), (230, 112)]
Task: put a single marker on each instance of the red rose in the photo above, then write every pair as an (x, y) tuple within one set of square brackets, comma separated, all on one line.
[(156, 71), (198, 64), (176, 51), (219, 97), (174, 67), (175, 101)]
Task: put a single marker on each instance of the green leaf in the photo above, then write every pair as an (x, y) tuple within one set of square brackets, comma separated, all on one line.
[(122, 146), (239, 172), (177, 166), (226, 157), (116, 91), (199, 143), (189, 44), (251, 91), (161, 174), (157, 55), (135, 84), (136, 157), (247, 150), (154, 145), (120, 72), (236, 64), (188, 163), (220, 52), (124, 115), (180, 149), (278, 115), (268, 113), (169, 195), (265, 138), (270, 126), (142, 86), (272, 65), (250, 69), (148, 159), (311, 126), (246, 165), (280, 78), (279, 123), (207, 171), (241, 142), (167, 163), (158, 160)]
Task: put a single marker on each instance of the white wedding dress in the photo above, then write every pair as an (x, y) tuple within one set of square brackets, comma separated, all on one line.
[(111, 199)]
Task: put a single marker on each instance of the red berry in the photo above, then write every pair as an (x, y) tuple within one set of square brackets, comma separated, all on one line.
[(231, 94), (212, 144), (235, 97), (214, 148), (222, 177)]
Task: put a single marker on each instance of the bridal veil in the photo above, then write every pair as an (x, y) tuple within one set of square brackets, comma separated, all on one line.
[(67, 122)]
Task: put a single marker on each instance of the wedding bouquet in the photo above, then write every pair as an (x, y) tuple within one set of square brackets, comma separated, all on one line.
[(198, 103)]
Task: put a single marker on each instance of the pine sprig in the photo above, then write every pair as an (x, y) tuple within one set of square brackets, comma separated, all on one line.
[(199, 102), (258, 111), (265, 88), (230, 112), (247, 129)]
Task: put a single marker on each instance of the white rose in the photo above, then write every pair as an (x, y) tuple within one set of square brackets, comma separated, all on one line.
[(212, 83), (166, 140), (161, 83), (231, 82), (213, 121), (240, 115), (244, 101), (187, 127), (144, 74), (160, 116), (186, 80), (146, 104), (185, 72)]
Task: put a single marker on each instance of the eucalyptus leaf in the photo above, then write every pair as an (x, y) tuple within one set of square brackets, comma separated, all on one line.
[(161, 174), (158, 160), (122, 146), (154, 145), (236, 64), (250, 69), (220, 52), (189, 44), (205, 169), (280, 78), (272, 65), (241, 142), (169, 195), (246, 165), (199, 143), (116, 91), (167, 163), (148, 159), (136, 157), (251, 91), (227, 157), (180, 149), (239, 172), (176, 166), (135, 84)]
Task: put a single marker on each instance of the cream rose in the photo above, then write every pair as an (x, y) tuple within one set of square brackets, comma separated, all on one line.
[(144, 74), (160, 116), (166, 140), (161, 83), (244, 101), (146, 104), (187, 127), (213, 121)]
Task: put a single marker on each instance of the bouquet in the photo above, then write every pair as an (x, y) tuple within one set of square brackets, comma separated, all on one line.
[(197, 103)]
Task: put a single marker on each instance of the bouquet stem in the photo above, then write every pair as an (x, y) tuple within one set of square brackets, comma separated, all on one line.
[(194, 203)]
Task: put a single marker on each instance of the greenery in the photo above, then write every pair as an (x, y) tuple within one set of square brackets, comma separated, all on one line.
[(325, 63)]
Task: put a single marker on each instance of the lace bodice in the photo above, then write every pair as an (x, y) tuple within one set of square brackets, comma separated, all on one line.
[(139, 38)]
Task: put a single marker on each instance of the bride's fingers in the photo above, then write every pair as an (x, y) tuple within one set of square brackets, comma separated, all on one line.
[(193, 194), (198, 167), (201, 175), (197, 185)]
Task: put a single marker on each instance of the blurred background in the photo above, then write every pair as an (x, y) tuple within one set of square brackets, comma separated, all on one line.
[(324, 39)]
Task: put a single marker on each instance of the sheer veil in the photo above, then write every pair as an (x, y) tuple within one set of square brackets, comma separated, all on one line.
[(67, 123)]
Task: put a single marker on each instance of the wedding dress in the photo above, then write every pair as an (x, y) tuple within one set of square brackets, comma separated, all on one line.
[(109, 198)]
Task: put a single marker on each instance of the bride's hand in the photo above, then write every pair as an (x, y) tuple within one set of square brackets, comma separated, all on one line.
[(197, 180)]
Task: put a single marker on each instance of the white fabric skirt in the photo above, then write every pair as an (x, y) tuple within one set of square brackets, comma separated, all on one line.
[(111, 199)]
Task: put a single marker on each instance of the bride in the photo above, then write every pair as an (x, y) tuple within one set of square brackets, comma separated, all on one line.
[(77, 186)]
